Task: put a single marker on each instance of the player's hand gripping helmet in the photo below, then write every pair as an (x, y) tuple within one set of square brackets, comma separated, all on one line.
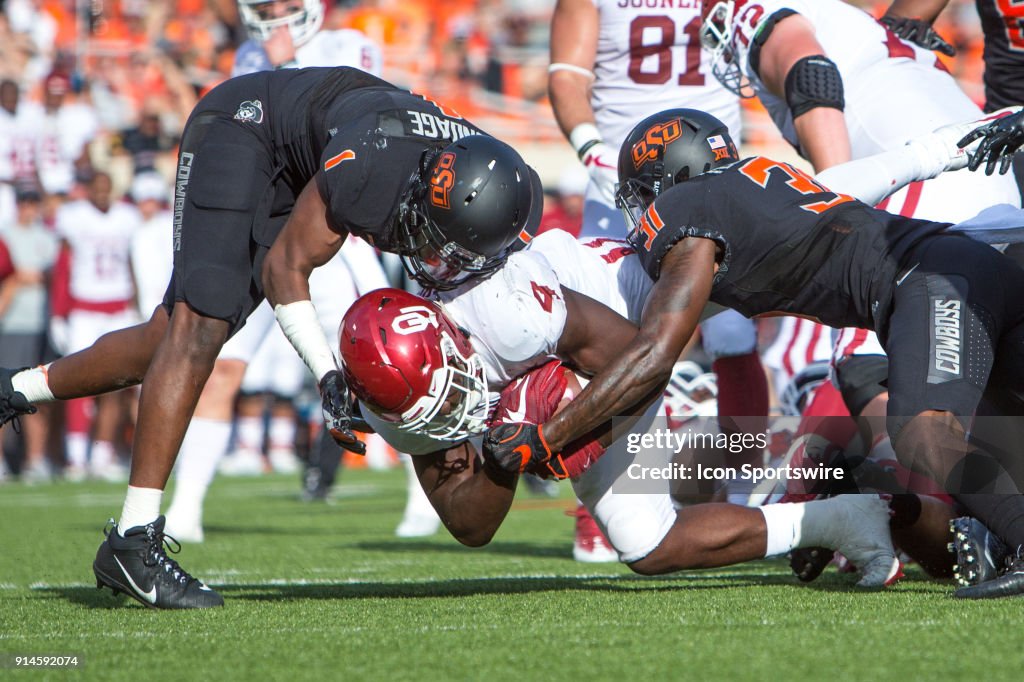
[(410, 364), (717, 36), (302, 17), (474, 203), (667, 148)]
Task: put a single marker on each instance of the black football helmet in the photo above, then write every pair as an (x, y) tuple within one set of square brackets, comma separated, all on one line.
[(471, 205), (667, 148)]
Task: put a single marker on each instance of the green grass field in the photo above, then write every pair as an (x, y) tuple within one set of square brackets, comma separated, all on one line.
[(318, 591)]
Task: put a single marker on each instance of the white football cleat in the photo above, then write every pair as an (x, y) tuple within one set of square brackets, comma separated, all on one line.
[(860, 530), (111, 471), (242, 462), (418, 525), (185, 526), (284, 461)]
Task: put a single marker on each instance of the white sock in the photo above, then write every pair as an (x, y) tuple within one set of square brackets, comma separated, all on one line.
[(33, 384), (282, 433), (102, 453), (206, 441), (416, 502), (249, 434), (77, 445), (141, 506), (783, 522)]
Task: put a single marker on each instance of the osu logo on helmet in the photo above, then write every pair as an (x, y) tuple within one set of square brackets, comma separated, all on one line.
[(442, 180), (659, 135)]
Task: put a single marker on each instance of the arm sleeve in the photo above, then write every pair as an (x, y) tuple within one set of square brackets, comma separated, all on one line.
[(873, 178)]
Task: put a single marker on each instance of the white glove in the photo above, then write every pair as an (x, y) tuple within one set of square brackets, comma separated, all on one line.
[(600, 160), (60, 335)]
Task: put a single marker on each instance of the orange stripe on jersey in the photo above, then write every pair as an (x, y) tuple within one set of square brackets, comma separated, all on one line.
[(338, 158)]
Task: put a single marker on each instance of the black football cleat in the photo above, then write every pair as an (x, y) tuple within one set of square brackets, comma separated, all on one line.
[(809, 562), (13, 403), (980, 555), (137, 565), (1009, 584)]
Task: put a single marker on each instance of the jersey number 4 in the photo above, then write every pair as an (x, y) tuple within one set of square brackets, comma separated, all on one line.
[(758, 169), (662, 50)]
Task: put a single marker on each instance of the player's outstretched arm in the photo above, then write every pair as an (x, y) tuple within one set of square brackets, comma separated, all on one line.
[(643, 369), (999, 141), (471, 499), (307, 242), (912, 20), (794, 66)]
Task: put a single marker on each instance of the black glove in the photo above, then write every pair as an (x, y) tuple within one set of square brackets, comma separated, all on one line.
[(518, 448), (918, 32), (1003, 137), (337, 407)]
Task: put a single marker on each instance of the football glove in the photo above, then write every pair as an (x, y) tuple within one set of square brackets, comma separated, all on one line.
[(918, 32), (601, 162), (521, 448), (337, 408), (1003, 137)]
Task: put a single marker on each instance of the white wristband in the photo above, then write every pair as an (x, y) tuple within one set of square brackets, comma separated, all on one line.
[(582, 134), (572, 68), (301, 325)]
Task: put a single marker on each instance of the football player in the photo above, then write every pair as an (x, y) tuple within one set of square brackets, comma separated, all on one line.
[(611, 64), (423, 383), (762, 237), (275, 169), (287, 34), (283, 33), (831, 77)]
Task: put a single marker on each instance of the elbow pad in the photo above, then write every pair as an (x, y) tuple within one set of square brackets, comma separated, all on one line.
[(814, 82)]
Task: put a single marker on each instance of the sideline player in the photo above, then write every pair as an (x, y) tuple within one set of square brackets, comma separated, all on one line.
[(611, 65), (426, 392), (703, 229), (275, 170)]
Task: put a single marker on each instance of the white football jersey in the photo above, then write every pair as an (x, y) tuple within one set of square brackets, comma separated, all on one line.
[(649, 58), (894, 90), (63, 135), (516, 316), (152, 259), (100, 247), (345, 47)]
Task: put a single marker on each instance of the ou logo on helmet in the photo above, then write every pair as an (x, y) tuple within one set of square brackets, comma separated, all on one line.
[(656, 137), (414, 319)]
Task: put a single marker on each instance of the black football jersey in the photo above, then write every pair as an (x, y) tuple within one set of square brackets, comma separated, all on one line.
[(787, 244), (1003, 24), (365, 136)]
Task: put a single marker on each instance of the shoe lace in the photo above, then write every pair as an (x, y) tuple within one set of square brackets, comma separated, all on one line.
[(156, 556)]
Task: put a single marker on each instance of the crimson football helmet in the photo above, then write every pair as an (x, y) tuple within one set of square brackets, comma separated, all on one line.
[(409, 363), (302, 17), (473, 204), (718, 35)]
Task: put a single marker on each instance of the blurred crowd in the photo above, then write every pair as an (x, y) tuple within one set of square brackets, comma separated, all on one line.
[(93, 96)]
